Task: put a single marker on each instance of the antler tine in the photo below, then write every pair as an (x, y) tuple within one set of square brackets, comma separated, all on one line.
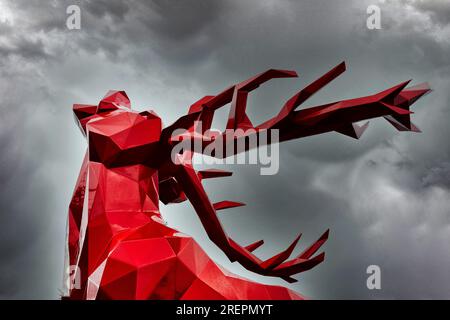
[(315, 246), (251, 247), (238, 117), (255, 245), (304, 95), (295, 266), (280, 257), (302, 262), (213, 173), (222, 205), (237, 95)]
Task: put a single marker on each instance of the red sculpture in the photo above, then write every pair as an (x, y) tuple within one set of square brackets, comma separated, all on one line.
[(118, 245)]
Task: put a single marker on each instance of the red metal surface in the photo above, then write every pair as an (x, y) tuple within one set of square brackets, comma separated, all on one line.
[(117, 240)]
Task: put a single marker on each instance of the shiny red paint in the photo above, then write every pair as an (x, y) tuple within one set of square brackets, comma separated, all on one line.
[(117, 239)]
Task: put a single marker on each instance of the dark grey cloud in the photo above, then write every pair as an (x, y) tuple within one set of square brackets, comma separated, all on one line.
[(438, 9), (438, 176), (25, 48), (384, 197), (179, 21), (103, 8)]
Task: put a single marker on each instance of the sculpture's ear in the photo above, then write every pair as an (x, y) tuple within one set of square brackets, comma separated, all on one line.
[(114, 100), (82, 113)]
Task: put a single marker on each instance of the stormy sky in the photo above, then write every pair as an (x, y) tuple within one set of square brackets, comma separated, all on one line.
[(386, 197)]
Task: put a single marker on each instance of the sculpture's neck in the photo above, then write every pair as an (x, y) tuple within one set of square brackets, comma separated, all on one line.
[(124, 189)]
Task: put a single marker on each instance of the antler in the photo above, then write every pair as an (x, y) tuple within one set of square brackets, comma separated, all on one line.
[(190, 182), (180, 181), (341, 116)]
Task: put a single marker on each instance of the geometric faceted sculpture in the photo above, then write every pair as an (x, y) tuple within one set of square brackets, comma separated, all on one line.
[(119, 247)]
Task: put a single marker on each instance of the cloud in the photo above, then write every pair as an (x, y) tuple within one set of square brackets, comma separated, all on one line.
[(384, 197), (438, 176), (406, 229), (438, 9)]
